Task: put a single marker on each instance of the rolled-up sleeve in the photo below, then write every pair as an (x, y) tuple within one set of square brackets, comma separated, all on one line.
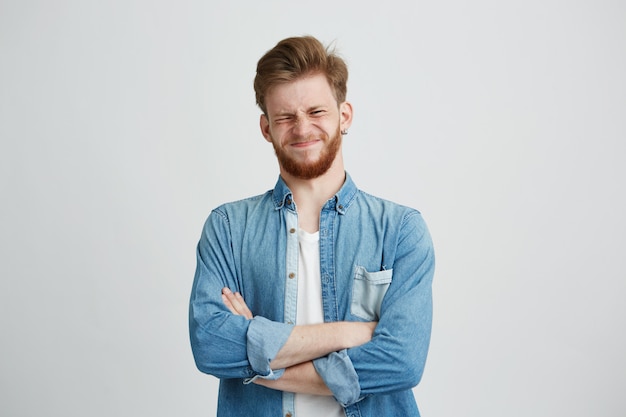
[(340, 377), (263, 349)]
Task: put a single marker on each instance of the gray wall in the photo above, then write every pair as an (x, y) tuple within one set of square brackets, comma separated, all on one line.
[(122, 123)]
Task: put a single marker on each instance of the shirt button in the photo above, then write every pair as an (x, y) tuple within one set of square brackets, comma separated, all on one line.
[(292, 230), (292, 275), (288, 415)]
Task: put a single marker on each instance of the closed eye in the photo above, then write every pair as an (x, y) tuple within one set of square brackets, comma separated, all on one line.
[(282, 119)]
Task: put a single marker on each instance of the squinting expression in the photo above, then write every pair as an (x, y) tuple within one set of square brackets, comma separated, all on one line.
[(303, 125)]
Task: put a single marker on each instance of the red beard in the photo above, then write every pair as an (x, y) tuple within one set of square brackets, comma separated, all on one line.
[(307, 171)]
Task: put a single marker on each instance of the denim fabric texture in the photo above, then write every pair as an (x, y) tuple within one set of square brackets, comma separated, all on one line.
[(376, 263)]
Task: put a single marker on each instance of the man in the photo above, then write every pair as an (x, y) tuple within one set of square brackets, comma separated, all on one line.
[(313, 299)]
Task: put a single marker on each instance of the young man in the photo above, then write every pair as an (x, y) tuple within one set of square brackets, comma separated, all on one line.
[(313, 299)]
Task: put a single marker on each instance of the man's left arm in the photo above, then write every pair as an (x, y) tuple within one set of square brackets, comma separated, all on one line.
[(394, 359), (301, 378)]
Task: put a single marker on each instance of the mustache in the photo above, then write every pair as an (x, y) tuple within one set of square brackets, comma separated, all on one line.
[(308, 138)]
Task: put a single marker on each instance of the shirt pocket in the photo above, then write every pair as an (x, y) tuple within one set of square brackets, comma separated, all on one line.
[(368, 291)]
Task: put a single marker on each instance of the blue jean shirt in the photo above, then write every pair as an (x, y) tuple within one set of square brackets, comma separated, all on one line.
[(376, 263)]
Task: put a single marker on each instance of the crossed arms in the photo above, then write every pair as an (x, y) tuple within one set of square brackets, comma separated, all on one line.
[(353, 360), (305, 343)]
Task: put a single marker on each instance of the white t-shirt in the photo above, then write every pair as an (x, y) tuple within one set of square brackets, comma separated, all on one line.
[(310, 311)]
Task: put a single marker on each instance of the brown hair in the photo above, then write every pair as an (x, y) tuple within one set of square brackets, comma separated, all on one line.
[(296, 57)]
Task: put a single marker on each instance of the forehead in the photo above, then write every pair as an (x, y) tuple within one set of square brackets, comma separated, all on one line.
[(300, 94)]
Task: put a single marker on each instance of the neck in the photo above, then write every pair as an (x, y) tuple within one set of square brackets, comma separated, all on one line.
[(311, 195), (318, 189)]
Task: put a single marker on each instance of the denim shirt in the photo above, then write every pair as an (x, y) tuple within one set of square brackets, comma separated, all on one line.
[(376, 263)]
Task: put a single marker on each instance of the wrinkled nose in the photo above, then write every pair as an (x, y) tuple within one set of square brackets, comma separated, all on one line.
[(302, 126)]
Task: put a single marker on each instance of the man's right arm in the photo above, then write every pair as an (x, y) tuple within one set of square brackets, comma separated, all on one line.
[(308, 342), (313, 341), (219, 339)]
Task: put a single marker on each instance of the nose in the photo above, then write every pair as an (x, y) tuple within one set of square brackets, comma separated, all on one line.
[(302, 126)]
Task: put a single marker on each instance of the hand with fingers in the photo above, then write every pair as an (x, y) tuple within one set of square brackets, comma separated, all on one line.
[(236, 303)]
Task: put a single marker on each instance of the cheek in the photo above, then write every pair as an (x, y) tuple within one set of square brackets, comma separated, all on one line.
[(276, 137), (279, 137)]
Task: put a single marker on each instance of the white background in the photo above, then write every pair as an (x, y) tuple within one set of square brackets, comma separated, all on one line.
[(122, 123)]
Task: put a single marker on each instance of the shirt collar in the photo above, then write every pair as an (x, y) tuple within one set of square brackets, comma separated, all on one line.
[(340, 202)]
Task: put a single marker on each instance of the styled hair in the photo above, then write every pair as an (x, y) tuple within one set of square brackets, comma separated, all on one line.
[(296, 57)]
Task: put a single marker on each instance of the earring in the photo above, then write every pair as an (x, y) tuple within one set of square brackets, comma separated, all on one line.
[(344, 132)]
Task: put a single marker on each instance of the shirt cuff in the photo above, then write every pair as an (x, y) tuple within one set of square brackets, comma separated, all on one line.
[(264, 339), (340, 377)]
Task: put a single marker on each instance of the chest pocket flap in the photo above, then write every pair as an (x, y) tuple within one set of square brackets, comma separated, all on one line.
[(368, 291)]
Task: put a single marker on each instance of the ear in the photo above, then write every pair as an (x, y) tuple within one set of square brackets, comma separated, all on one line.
[(265, 128), (345, 115)]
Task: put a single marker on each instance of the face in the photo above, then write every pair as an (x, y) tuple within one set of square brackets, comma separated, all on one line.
[(303, 123)]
